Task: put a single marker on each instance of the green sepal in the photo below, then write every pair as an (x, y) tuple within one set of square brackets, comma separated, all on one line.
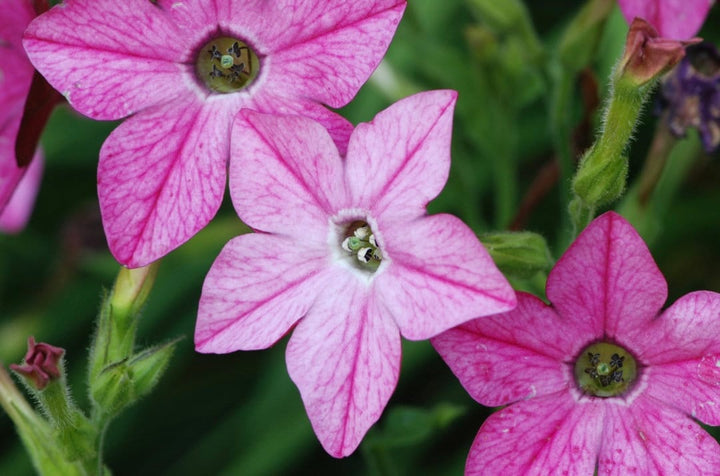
[(117, 322), (111, 389), (518, 254), (78, 438), (122, 383), (148, 366), (600, 180)]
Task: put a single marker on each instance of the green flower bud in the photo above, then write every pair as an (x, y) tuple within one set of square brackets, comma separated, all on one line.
[(131, 290), (600, 179), (518, 254)]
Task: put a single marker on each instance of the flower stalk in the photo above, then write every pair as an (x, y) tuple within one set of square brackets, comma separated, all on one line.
[(602, 173)]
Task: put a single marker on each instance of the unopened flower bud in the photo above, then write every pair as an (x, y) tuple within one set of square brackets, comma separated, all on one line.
[(42, 364), (518, 254), (647, 55), (132, 288)]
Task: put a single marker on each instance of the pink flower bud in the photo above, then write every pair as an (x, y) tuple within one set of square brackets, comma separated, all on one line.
[(647, 55), (41, 363)]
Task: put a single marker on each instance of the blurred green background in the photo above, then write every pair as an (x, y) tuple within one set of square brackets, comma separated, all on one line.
[(240, 413)]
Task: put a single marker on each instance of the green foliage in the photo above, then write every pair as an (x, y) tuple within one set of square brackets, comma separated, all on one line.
[(524, 72)]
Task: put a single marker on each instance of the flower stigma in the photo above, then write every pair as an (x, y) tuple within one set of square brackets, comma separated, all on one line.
[(605, 370), (226, 65), (359, 243)]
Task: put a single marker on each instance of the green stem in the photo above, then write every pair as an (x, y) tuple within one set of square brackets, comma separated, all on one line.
[(620, 119), (505, 188), (102, 425), (561, 130), (602, 173), (35, 432)]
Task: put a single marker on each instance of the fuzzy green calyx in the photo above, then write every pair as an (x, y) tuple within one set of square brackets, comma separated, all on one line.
[(605, 370), (226, 65)]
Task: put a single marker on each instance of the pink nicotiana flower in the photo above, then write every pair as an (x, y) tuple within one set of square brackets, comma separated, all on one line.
[(347, 254), (18, 185), (182, 69), (601, 380), (678, 19), (16, 213)]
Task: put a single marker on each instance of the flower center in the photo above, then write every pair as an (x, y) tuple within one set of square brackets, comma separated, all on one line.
[(226, 65), (359, 242), (605, 370)]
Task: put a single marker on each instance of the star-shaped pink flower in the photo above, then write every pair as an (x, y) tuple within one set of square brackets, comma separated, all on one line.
[(18, 185), (347, 254), (677, 19), (182, 69), (602, 378)]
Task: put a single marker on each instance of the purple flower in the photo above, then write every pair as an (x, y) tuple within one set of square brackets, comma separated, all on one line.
[(42, 363), (602, 378), (691, 95), (17, 194), (347, 254), (679, 19), (182, 70)]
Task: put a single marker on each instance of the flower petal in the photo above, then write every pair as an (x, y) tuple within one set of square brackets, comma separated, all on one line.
[(677, 19), (608, 280), (682, 349), (692, 387), (439, 276), (648, 437), (285, 175), (326, 50), (108, 58), (687, 330), (16, 14), (16, 213), (256, 289), (10, 173), (344, 356), (400, 161), (551, 434), (338, 127), (508, 357), (161, 178)]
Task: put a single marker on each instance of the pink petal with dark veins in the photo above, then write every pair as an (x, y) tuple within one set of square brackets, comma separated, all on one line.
[(344, 356), (649, 437), (326, 50), (512, 356), (258, 287), (161, 178), (400, 160), (286, 175), (546, 435), (110, 59), (608, 280), (439, 276)]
